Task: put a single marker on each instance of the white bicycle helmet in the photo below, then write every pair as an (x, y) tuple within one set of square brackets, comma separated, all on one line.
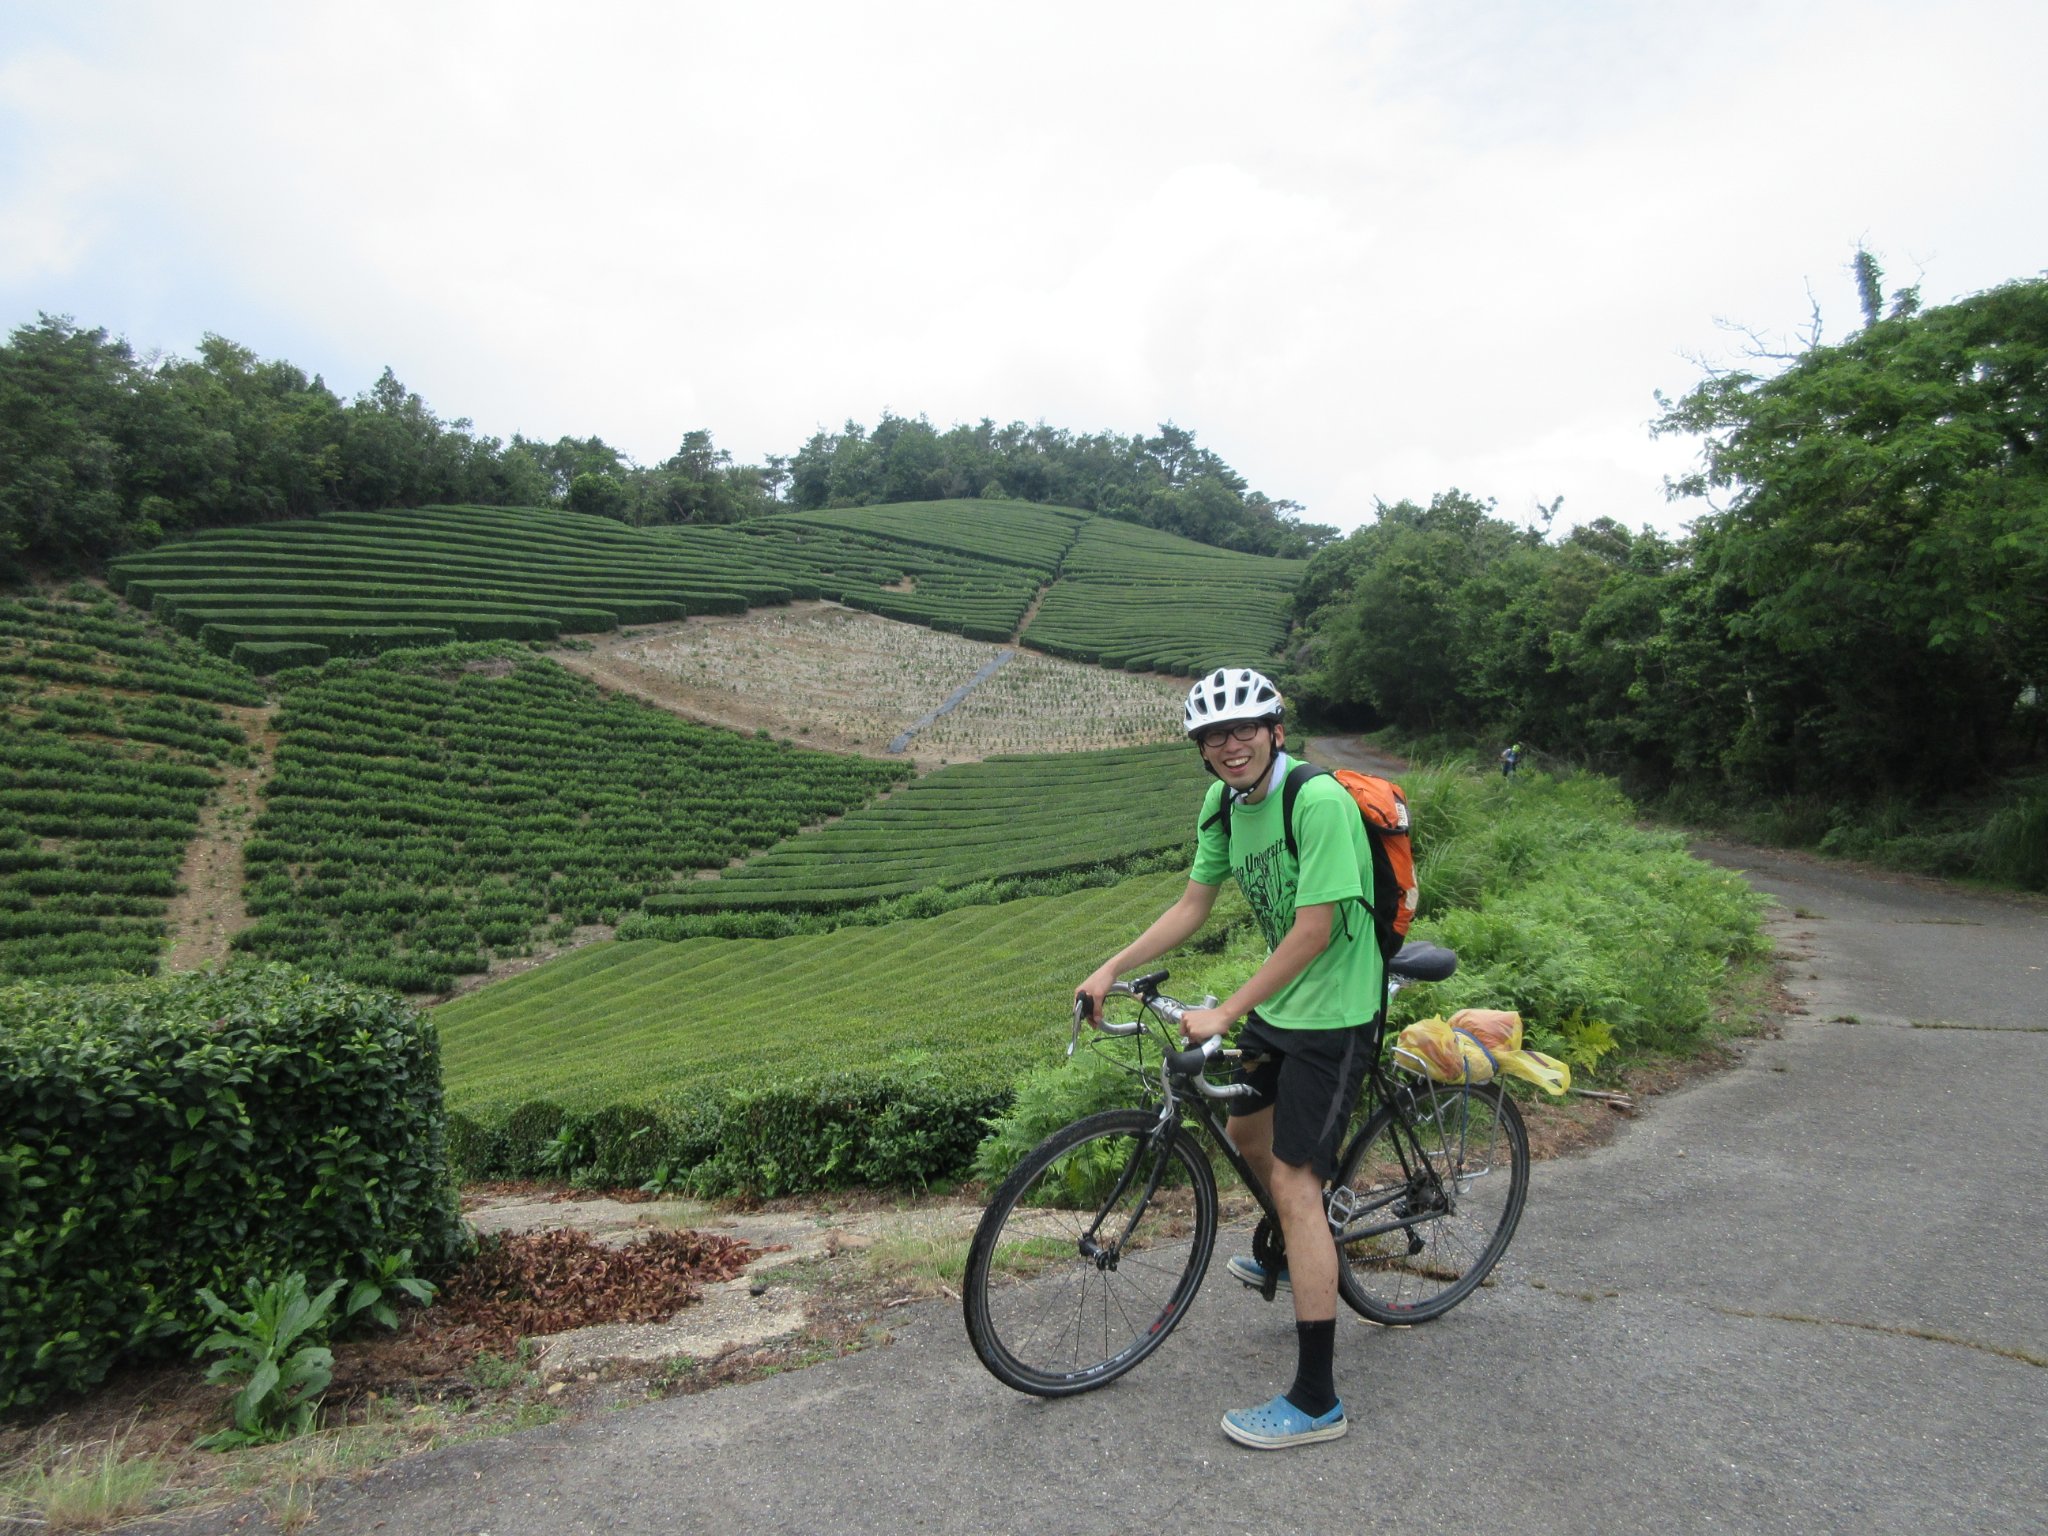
[(1228, 695)]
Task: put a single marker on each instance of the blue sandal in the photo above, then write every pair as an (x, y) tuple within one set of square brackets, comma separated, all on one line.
[(1272, 1426)]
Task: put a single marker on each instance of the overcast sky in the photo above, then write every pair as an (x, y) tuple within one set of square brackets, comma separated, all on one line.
[(1364, 251)]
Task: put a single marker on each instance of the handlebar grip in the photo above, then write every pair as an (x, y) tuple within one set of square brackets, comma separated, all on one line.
[(1195, 1057)]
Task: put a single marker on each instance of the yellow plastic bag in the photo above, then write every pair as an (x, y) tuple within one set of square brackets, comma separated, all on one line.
[(1476, 1044)]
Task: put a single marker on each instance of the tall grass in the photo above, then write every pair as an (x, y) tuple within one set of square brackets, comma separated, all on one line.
[(1561, 908), (81, 1488)]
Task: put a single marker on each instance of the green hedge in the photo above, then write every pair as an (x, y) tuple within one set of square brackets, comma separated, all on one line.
[(160, 1136), (366, 640), (266, 656), (905, 1123)]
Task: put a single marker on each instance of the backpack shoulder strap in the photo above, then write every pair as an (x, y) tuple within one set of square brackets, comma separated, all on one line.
[(1290, 791), (1220, 814)]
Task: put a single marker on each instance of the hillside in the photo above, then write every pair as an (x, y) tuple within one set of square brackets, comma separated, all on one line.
[(803, 933), (355, 583), (113, 736), (418, 816)]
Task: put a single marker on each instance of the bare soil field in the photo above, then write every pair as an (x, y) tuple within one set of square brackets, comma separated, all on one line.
[(845, 681)]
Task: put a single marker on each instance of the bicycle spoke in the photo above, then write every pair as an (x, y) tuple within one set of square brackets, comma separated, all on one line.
[(1456, 1161), (1043, 1313)]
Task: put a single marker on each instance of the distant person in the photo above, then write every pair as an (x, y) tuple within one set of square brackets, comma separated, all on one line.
[(1509, 758), (1312, 1010)]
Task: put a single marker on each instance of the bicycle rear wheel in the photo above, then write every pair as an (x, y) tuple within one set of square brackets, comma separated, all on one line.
[(1427, 1199), (1089, 1253)]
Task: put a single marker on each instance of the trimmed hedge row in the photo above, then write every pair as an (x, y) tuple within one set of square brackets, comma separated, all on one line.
[(904, 1123), (463, 624), (362, 640), (265, 656), (196, 1131)]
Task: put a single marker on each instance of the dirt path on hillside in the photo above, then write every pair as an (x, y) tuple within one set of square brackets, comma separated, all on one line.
[(1352, 752), (1030, 613), (208, 910)]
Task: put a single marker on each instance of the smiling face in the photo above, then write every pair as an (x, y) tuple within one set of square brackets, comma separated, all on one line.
[(1241, 755)]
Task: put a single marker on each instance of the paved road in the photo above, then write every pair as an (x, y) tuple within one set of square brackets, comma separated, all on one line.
[(1808, 1295)]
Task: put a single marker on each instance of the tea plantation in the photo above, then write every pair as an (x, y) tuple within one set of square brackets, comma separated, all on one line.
[(1141, 599), (354, 583), (432, 808), (442, 799), (111, 739), (1008, 817)]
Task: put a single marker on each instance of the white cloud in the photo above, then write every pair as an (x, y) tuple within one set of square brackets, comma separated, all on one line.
[(1366, 252)]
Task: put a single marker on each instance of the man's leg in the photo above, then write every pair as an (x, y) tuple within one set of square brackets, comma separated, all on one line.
[(1312, 1266), (1311, 1251), (1308, 1411), (1252, 1135)]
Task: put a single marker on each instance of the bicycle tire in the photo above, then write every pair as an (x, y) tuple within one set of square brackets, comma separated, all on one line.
[(1044, 1315), (1398, 1271)]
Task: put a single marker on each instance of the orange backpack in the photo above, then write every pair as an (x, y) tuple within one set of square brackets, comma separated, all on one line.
[(1384, 809)]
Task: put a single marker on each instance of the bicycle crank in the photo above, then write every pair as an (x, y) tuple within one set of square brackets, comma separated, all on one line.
[(1269, 1251)]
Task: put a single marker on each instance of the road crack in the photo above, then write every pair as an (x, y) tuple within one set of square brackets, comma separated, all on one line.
[(1897, 1330)]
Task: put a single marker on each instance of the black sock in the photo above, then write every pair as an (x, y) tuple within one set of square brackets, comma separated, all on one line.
[(1315, 1381)]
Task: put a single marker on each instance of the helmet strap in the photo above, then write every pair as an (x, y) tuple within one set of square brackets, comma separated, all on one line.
[(1277, 773)]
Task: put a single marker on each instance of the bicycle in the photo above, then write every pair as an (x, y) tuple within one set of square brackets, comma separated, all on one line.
[(1093, 1248)]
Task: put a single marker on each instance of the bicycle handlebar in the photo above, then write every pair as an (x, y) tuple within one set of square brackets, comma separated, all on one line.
[(1188, 1064), (1416, 962)]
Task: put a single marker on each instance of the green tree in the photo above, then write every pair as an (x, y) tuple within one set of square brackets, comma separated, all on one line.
[(597, 493), (1882, 559), (1400, 608), (1167, 481), (66, 395), (234, 439)]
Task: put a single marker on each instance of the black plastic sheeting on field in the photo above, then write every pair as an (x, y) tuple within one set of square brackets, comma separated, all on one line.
[(953, 699)]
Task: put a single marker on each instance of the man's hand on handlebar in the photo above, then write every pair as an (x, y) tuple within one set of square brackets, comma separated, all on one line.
[(1199, 1024), (1092, 991)]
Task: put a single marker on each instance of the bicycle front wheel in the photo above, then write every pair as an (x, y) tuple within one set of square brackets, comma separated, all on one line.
[(1427, 1199), (1089, 1253)]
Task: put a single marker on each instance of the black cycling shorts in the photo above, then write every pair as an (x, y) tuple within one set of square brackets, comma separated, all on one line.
[(1310, 1078)]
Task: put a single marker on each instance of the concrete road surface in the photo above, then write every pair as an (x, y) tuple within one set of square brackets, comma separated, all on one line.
[(1808, 1295)]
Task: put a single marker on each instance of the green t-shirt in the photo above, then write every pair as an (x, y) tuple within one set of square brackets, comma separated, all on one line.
[(1346, 983)]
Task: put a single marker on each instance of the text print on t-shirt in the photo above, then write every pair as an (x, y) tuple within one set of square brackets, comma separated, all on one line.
[(1267, 886)]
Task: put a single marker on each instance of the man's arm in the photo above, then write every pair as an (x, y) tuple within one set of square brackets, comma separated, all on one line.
[(1309, 937), (1171, 929)]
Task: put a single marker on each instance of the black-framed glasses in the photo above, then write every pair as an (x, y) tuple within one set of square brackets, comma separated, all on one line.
[(1216, 735)]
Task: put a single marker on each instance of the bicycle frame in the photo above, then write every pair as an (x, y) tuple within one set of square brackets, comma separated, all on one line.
[(1067, 1288), (1349, 1224)]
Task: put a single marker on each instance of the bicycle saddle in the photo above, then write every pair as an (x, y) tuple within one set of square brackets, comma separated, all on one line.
[(1423, 962)]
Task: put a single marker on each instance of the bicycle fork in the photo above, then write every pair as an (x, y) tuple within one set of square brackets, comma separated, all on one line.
[(1153, 1150)]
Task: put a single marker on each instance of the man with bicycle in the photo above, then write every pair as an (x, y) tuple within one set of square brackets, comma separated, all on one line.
[(1311, 1010)]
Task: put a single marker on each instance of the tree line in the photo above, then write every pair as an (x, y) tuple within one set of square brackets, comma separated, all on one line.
[(103, 452), (1861, 613), (1167, 481)]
